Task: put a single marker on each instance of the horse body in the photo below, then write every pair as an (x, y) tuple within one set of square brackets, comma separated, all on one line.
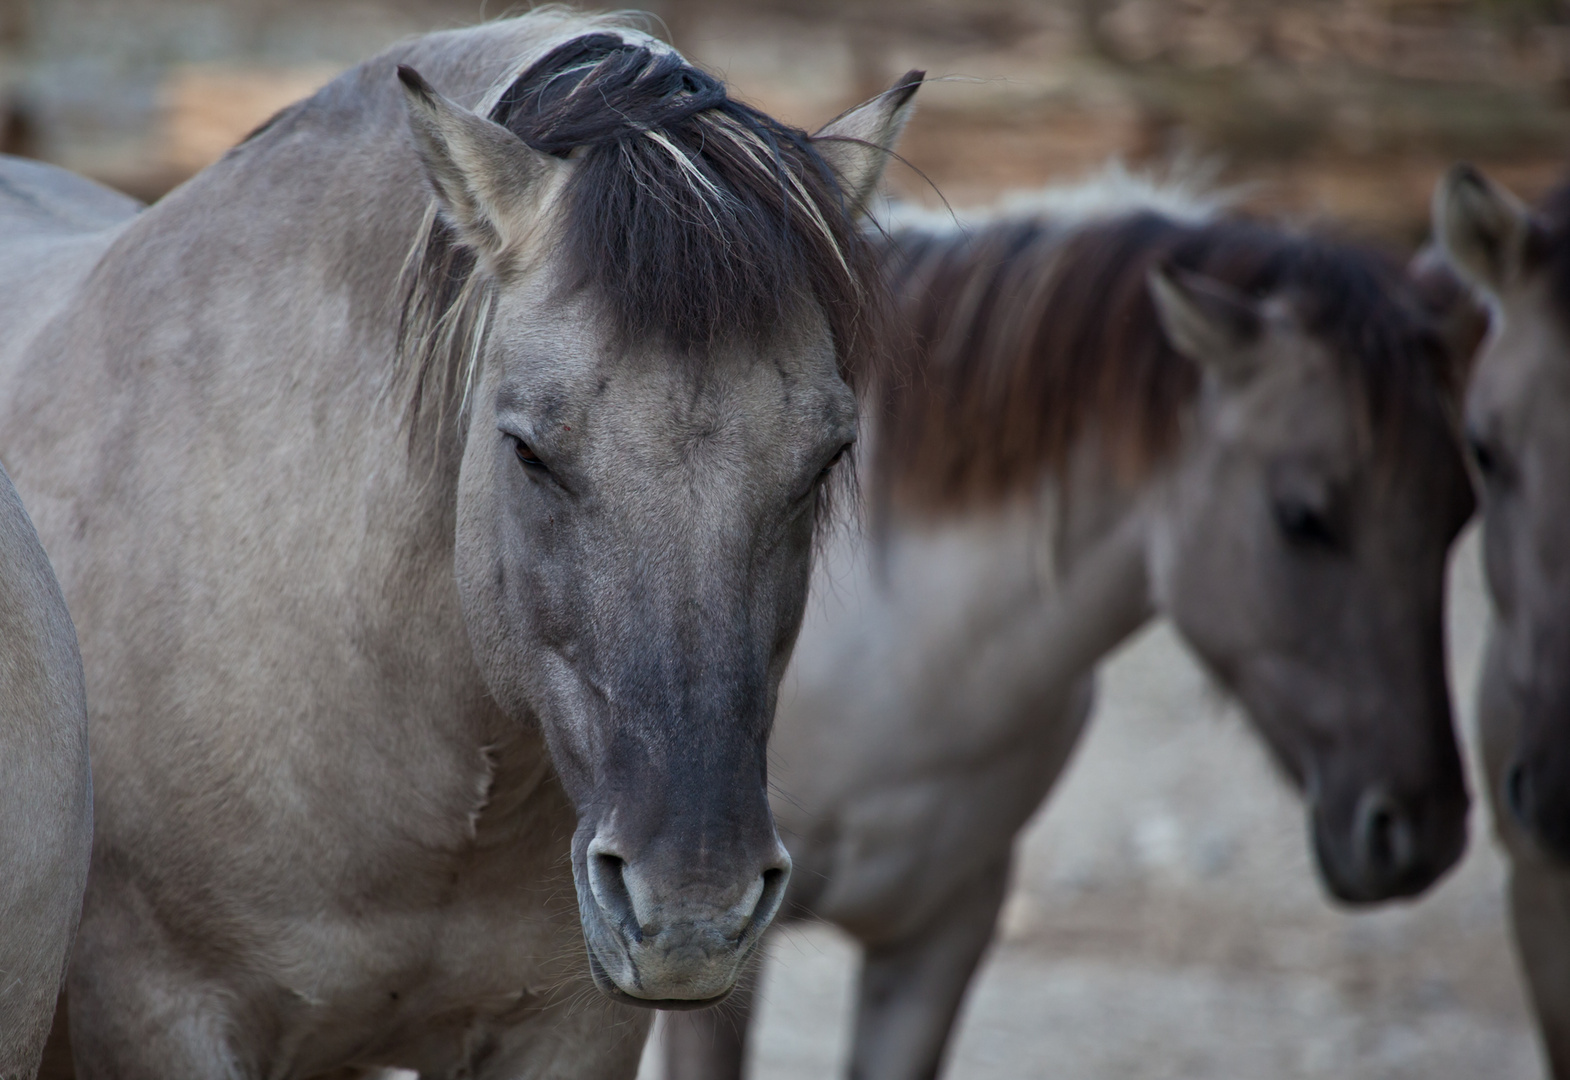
[(1517, 402), (46, 810), (939, 690), (945, 671), (392, 709)]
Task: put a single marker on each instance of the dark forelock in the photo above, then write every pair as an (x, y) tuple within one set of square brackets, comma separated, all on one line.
[(695, 217)]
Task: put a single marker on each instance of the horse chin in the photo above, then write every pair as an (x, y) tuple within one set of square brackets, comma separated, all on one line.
[(1342, 887), (607, 986)]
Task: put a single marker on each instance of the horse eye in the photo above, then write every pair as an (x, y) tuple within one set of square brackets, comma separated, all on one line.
[(1489, 461), (828, 467), (525, 454), (1305, 526)]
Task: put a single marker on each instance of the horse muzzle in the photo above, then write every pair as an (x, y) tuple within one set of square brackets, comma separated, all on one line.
[(662, 935), (1386, 848)]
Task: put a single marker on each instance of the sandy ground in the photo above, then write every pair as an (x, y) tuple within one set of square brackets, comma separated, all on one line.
[(1166, 922)]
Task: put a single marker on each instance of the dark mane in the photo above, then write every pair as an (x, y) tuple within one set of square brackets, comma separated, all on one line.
[(694, 218), (1023, 337)]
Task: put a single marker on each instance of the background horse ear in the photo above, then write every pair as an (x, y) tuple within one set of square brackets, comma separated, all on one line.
[(1461, 320), (1207, 321), (489, 183), (857, 144), (1484, 230)]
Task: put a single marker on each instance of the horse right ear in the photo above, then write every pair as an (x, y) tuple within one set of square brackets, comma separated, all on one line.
[(1207, 321), (489, 184), (1458, 313), (1484, 231), (857, 144)]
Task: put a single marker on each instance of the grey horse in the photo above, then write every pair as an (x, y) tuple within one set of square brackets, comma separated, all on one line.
[(1518, 428), (435, 481), (1116, 402), (46, 797)]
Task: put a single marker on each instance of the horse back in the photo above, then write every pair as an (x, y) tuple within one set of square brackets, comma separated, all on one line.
[(54, 227), (39, 199)]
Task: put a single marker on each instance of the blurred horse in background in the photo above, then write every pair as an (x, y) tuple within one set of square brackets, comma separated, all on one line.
[(1517, 423), (435, 483), (46, 798), (1113, 403)]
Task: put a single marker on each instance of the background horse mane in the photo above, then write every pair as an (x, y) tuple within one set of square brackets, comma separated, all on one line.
[(695, 218), (1033, 329)]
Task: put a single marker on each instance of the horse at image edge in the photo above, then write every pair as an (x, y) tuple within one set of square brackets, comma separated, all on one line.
[(1517, 424)]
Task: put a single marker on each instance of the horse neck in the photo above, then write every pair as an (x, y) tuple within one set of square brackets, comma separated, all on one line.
[(1094, 594), (305, 227), (1016, 600)]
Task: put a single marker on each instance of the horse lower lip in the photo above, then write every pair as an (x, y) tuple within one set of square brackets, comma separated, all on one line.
[(1356, 889), (607, 986)]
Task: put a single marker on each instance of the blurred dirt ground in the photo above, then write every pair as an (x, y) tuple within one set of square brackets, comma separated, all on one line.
[(1165, 921)]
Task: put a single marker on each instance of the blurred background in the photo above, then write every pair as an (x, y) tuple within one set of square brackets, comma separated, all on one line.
[(1334, 107), (1165, 920)]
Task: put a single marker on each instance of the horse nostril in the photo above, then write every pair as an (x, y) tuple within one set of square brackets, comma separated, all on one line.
[(1381, 839), (1384, 839), (769, 900), (608, 883), (1518, 793)]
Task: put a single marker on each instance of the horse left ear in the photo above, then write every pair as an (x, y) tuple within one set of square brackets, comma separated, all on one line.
[(1484, 231), (857, 144), (1207, 321), (489, 183)]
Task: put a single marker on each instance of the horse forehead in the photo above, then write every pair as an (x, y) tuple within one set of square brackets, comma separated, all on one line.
[(735, 399), (566, 350), (1298, 401)]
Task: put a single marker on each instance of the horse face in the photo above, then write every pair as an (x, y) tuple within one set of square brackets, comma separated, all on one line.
[(634, 519), (1305, 563), (633, 548), (1517, 403)]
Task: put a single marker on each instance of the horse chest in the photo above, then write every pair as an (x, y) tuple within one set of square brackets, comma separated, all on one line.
[(414, 965), (420, 976)]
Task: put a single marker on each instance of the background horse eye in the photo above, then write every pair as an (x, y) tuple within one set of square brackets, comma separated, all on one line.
[(1305, 526), (1487, 457)]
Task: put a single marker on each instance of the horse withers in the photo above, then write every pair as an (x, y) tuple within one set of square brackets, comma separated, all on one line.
[(435, 479), (1517, 422), (1116, 401)]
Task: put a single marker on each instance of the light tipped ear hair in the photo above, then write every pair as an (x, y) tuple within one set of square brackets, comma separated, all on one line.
[(488, 182), (1483, 230), (1207, 321), (857, 144)]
